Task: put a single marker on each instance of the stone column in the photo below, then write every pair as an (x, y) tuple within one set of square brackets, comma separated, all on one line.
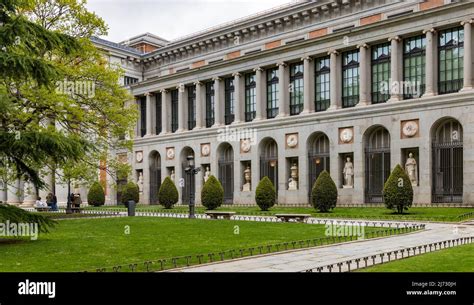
[(165, 104), (3, 192), (308, 85), (200, 99), (14, 193), (283, 93), (260, 93), (468, 41), (218, 102), (334, 79), (148, 114), (431, 63), (181, 108), (238, 98), (395, 63), (364, 80)]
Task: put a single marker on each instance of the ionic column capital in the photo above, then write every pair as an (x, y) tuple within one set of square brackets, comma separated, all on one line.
[(149, 94), (395, 38), (363, 45), (217, 78), (283, 64), (164, 91), (258, 69), (306, 58), (197, 83), (471, 21), (335, 52), (432, 31), (238, 74)]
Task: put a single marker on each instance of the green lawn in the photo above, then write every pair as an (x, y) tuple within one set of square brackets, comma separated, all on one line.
[(86, 244), (457, 259), (427, 214)]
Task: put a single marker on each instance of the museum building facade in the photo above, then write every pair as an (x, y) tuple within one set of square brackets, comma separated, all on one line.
[(352, 87)]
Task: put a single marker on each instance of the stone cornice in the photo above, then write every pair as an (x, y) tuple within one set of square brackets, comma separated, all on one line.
[(301, 44)]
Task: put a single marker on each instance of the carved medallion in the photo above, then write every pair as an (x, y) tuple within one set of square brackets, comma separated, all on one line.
[(205, 149), (410, 128), (139, 156), (292, 140), (346, 135), (170, 153), (245, 145)]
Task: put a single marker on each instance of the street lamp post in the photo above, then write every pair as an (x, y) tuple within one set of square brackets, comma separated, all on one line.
[(69, 199), (191, 170)]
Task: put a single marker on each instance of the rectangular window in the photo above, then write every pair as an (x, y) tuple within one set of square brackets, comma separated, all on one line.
[(414, 60), (128, 80), (296, 88), (158, 127), (250, 96), (451, 60), (381, 73), (272, 93), (229, 100), (209, 104), (174, 110), (191, 107), (143, 116), (322, 91), (350, 78)]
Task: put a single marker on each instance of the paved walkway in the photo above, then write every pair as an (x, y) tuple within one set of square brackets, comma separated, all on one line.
[(301, 260)]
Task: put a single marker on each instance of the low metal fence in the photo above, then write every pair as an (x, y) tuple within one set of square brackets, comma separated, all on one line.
[(388, 256)]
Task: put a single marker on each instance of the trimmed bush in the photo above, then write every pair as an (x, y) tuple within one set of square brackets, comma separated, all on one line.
[(96, 195), (168, 193), (212, 194), (398, 191), (324, 193), (130, 192), (265, 194)]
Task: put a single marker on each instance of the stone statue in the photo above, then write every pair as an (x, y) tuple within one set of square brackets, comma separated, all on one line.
[(172, 175), (140, 182), (247, 179), (348, 174), (29, 198), (207, 174), (293, 181), (411, 169)]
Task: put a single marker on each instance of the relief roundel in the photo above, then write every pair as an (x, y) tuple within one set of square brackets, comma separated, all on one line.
[(170, 153), (346, 135), (245, 145), (292, 140), (410, 129)]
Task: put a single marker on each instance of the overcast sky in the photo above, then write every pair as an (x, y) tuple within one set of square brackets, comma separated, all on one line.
[(171, 19)]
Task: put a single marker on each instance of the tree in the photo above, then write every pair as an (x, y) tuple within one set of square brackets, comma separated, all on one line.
[(130, 192), (168, 193), (65, 106), (212, 194), (398, 191), (324, 193), (96, 195), (265, 194)]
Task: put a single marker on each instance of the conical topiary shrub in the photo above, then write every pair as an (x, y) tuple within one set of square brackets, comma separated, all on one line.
[(168, 193), (265, 194), (130, 192), (324, 193), (398, 191), (96, 195), (212, 194)]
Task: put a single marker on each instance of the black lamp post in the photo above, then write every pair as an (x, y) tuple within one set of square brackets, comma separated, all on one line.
[(69, 199), (191, 170)]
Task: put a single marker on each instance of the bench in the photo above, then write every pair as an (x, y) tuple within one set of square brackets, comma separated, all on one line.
[(76, 209), (42, 209), (297, 217), (216, 214)]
